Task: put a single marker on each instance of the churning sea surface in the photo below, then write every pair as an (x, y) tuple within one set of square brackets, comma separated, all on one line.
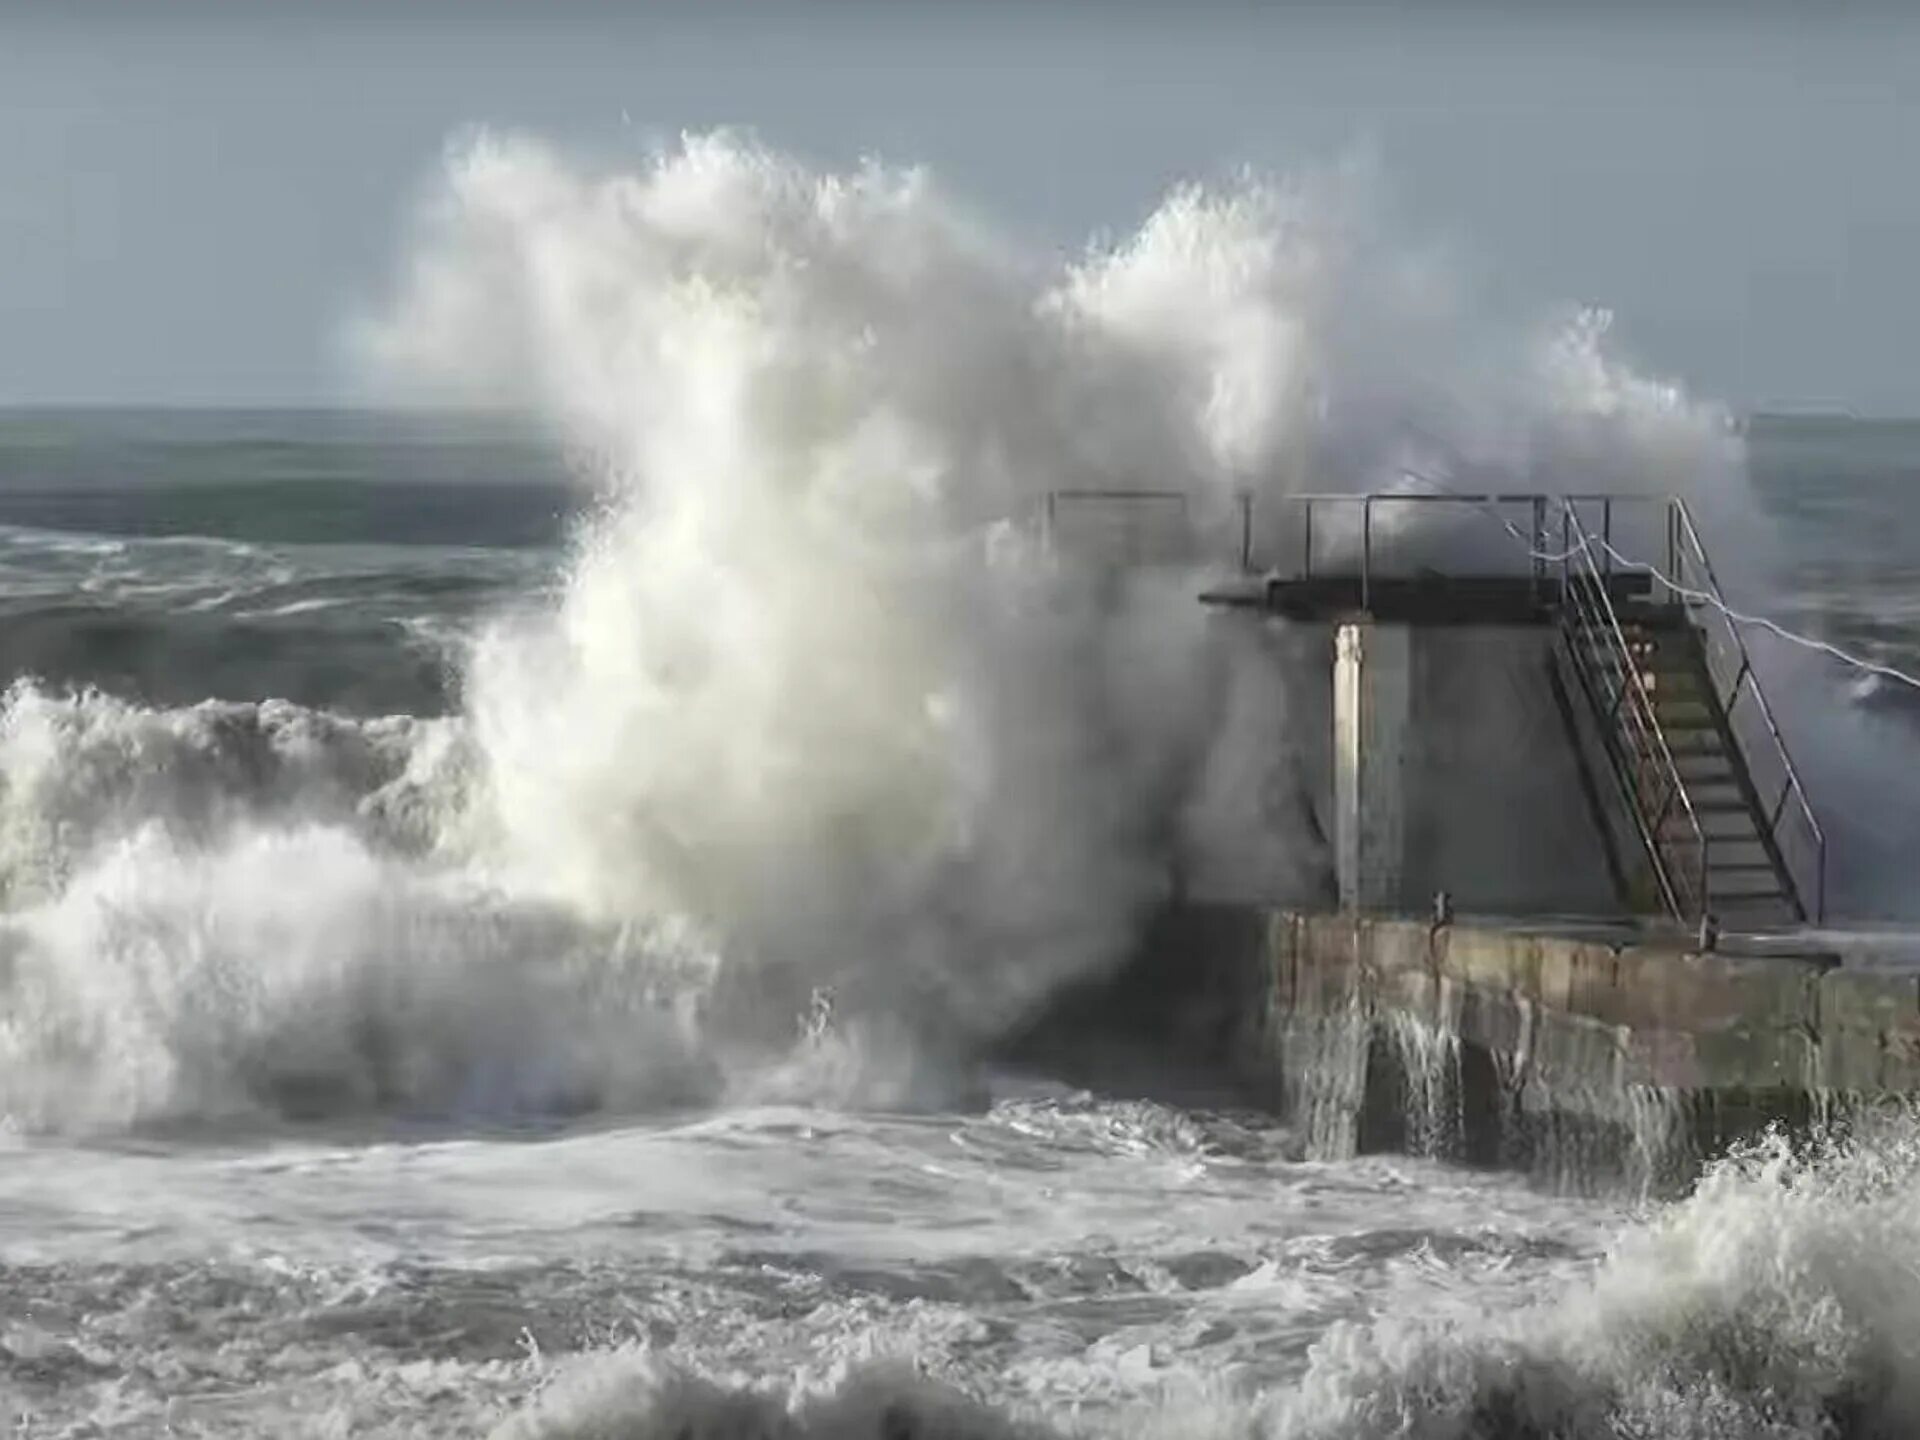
[(293, 1143)]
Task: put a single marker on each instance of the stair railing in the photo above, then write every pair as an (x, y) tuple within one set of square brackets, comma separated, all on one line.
[(1613, 678), (1612, 675), (1785, 814)]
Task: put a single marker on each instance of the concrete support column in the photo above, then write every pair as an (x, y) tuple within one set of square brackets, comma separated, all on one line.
[(1372, 686)]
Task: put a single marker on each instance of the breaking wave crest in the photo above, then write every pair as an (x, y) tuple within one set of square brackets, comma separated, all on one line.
[(1777, 1300), (816, 703), (83, 771)]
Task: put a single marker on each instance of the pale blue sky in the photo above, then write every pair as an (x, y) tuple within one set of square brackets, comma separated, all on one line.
[(192, 198)]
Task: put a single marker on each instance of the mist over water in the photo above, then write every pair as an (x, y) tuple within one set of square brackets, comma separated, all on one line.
[(746, 819)]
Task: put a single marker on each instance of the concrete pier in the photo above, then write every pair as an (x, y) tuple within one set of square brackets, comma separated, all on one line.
[(1576, 1058), (1592, 1055), (1536, 733)]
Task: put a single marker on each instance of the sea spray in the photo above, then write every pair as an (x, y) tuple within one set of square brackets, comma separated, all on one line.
[(816, 708), (811, 680), (1779, 1299), (293, 970)]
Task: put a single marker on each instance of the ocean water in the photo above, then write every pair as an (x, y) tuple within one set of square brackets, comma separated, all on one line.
[(505, 924)]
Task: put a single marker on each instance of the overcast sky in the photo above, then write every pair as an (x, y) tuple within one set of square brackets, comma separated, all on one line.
[(192, 198)]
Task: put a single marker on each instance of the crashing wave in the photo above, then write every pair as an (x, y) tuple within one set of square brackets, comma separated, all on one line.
[(814, 690)]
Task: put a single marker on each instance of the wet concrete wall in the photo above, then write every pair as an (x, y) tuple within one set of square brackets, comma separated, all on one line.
[(1497, 813), (1443, 758), (1581, 1059), (1591, 1061)]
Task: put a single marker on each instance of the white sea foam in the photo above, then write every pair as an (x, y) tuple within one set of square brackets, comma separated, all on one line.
[(1780, 1299), (1070, 1268), (815, 689), (79, 772), (1777, 1301), (811, 681)]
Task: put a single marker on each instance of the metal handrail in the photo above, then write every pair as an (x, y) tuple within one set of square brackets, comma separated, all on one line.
[(1811, 889), (1536, 502), (1590, 560), (1649, 774)]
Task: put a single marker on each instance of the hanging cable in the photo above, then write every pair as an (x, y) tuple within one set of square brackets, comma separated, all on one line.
[(1704, 597), (1762, 622)]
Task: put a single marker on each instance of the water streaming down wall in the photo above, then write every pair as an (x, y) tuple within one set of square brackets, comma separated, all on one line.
[(1622, 1060), (1366, 1080)]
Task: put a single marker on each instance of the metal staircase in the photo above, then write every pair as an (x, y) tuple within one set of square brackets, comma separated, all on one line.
[(1653, 670), (1692, 745)]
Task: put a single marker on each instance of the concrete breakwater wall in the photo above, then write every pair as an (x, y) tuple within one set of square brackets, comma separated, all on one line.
[(1587, 1061)]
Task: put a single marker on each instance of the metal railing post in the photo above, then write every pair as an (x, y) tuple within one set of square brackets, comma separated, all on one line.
[(1673, 549), (1366, 553), (1611, 667), (1539, 545)]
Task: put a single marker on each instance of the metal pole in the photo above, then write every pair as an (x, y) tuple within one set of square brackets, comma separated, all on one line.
[(1246, 532), (1539, 543), (1706, 870), (1366, 553), (1673, 548), (1306, 566)]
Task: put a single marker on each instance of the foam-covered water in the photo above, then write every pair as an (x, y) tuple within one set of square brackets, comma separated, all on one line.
[(1052, 1265), (481, 955)]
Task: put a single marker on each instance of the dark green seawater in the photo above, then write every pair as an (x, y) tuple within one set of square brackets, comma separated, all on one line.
[(331, 558), (1844, 496)]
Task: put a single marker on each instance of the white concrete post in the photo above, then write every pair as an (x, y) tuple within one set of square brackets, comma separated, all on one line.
[(1371, 692)]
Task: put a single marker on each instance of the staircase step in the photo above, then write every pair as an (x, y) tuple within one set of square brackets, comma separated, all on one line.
[(1680, 684), (1701, 743), (1704, 767), (1687, 696), (1767, 914), (1749, 891), (1719, 793), (1661, 656)]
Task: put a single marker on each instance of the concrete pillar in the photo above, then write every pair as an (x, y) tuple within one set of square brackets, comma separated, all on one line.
[(1372, 675)]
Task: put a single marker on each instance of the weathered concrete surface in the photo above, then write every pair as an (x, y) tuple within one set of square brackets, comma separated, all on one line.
[(1497, 811), (1589, 1060), (1578, 1058), (1445, 761)]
